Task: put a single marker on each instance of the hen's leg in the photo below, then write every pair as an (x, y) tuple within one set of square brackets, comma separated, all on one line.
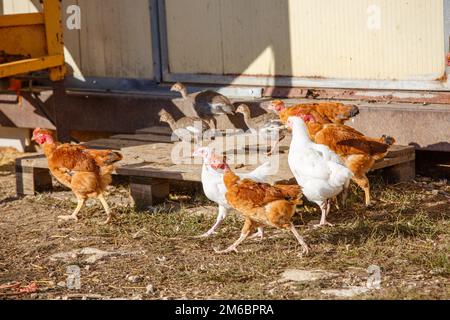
[(213, 123), (363, 182), (345, 193), (325, 208), (274, 145), (259, 233), (74, 215), (299, 238), (221, 215), (107, 209), (248, 227), (336, 203)]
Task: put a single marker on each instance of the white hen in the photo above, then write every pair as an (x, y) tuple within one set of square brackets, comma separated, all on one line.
[(214, 187), (318, 170)]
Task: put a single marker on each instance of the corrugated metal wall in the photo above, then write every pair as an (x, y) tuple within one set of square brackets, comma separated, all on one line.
[(114, 40), (337, 39), (308, 38)]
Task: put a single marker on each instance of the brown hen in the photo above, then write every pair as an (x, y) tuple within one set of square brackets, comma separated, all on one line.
[(324, 112), (262, 204), (85, 171)]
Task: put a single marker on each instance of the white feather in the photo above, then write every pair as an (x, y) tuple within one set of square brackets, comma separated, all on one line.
[(318, 170)]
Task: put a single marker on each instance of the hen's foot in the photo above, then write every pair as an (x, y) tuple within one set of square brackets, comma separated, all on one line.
[(227, 250), (370, 203), (205, 235), (108, 220), (258, 234), (323, 224), (305, 252), (68, 218)]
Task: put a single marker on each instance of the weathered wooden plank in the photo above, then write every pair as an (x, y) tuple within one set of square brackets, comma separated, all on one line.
[(398, 151), (35, 160), (114, 144), (388, 162), (135, 40), (30, 180), (401, 172), (147, 137), (147, 192), (155, 130), (111, 21), (92, 32), (159, 160), (179, 172), (72, 50)]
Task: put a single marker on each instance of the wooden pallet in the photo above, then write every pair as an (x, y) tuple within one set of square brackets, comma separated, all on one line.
[(149, 165)]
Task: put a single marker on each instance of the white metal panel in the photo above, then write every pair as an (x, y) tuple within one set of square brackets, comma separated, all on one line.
[(342, 39), (194, 32), (308, 39), (256, 37)]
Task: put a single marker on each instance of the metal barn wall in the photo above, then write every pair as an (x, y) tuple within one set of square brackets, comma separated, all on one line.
[(308, 38), (114, 40)]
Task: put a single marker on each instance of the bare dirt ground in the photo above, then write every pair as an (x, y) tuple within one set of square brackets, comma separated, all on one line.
[(152, 254)]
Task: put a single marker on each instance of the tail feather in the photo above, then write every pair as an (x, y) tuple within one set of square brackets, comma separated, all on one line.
[(386, 142), (105, 157)]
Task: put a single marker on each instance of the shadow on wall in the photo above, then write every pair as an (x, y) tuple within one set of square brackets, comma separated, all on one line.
[(433, 163), (230, 38), (439, 146), (247, 37)]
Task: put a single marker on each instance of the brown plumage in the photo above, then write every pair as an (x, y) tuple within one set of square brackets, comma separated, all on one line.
[(345, 140), (256, 123), (194, 125), (262, 204), (358, 152), (323, 112), (207, 103), (268, 123), (85, 171)]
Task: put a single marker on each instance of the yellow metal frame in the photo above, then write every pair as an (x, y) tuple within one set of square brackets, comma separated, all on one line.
[(50, 20)]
